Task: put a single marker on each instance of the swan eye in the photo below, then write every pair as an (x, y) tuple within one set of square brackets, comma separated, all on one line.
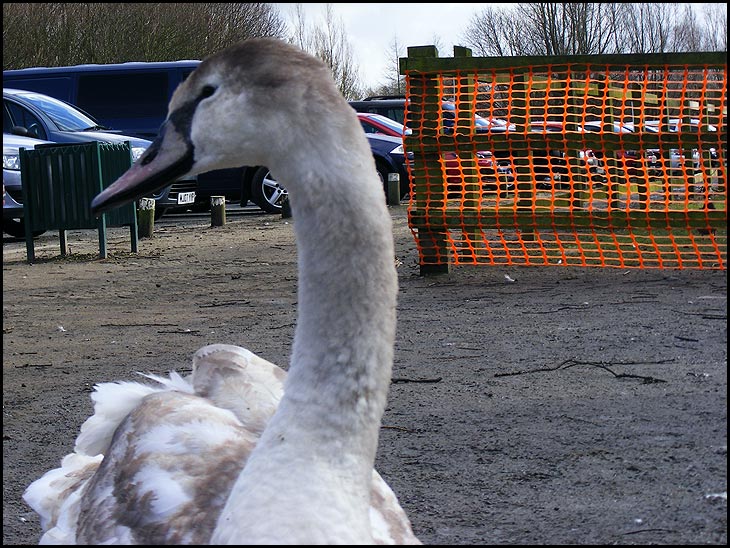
[(207, 91)]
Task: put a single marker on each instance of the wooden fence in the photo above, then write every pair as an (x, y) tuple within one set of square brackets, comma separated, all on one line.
[(594, 161)]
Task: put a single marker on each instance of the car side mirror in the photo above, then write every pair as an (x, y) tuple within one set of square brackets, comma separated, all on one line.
[(20, 130)]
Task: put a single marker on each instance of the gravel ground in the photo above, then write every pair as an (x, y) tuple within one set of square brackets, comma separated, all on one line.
[(571, 406)]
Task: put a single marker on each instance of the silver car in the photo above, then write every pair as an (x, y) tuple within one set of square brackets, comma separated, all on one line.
[(12, 187)]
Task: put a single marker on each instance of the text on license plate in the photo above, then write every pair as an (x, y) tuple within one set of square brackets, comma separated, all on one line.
[(186, 198)]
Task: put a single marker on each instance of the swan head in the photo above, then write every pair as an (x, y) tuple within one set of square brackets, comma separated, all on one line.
[(250, 104)]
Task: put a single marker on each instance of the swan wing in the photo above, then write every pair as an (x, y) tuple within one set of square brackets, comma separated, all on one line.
[(390, 524), (167, 474), (236, 379), (180, 443)]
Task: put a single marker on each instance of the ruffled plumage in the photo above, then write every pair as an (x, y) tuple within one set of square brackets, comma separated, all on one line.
[(195, 433)]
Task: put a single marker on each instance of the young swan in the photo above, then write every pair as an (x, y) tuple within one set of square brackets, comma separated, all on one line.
[(224, 457)]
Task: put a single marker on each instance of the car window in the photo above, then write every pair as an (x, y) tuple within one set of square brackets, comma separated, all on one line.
[(66, 117), (21, 116), (7, 120), (58, 87), (394, 113), (395, 127), (369, 128), (109, 95)]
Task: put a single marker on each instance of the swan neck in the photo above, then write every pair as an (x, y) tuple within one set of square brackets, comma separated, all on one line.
[(320, 445)]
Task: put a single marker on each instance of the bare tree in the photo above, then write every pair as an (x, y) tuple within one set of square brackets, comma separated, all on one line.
[(649, 27), (492, 32), (687, 35), (544, 29), (569, 28), (395, 83), (715, 23), (575, 28), (329, 42), (299, 36)]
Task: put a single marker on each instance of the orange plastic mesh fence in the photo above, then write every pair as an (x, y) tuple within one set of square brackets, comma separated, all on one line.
[(575, 164)]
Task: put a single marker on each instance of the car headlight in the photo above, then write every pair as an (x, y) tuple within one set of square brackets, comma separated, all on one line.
[(11, 161), (397, 150), (137, 152)]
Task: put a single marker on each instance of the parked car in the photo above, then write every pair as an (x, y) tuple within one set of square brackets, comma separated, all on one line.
[(130, 97), (679, 163), (12, 186), (372, 122), (656, 165), (389, 158), (40, 116), (617, 126), (393, 107), (673, 124), (481, 124), (551, 167), (390, 106), (491, 171)]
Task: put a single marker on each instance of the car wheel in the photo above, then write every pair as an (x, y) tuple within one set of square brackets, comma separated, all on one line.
[(266, 192), (159, 212), (16, 228)]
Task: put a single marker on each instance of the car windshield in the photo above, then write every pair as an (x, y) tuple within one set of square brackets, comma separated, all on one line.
[(66, 117), (392, 124)]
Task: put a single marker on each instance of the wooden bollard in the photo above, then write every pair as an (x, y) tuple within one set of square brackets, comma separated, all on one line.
[(146, 217), (217, 210), (393, 195)]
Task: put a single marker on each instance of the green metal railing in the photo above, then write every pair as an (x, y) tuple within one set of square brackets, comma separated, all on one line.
[(59, 183)]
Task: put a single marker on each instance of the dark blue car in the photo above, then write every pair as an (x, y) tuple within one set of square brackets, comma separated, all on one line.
[(389, 158)]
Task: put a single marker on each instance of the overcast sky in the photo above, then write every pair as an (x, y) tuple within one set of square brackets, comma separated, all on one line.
[(372, 28)]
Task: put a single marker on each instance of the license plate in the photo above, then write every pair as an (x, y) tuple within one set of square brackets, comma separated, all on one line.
[(186, 198)]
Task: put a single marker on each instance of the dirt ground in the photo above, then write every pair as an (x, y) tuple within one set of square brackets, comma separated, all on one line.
[(571, 406)]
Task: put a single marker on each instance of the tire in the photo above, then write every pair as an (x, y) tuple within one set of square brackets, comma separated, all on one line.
[(266, 192), (159, 212), (16, 228)]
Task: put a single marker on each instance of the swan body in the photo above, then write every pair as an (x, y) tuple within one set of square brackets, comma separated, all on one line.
[(240, 452), (212, 420)]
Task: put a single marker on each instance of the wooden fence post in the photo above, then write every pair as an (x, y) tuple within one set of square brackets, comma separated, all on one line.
[(393, 189), (146, 217), (217, 210)]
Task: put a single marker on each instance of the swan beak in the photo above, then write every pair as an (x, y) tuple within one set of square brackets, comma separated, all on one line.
[(169, 157)]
